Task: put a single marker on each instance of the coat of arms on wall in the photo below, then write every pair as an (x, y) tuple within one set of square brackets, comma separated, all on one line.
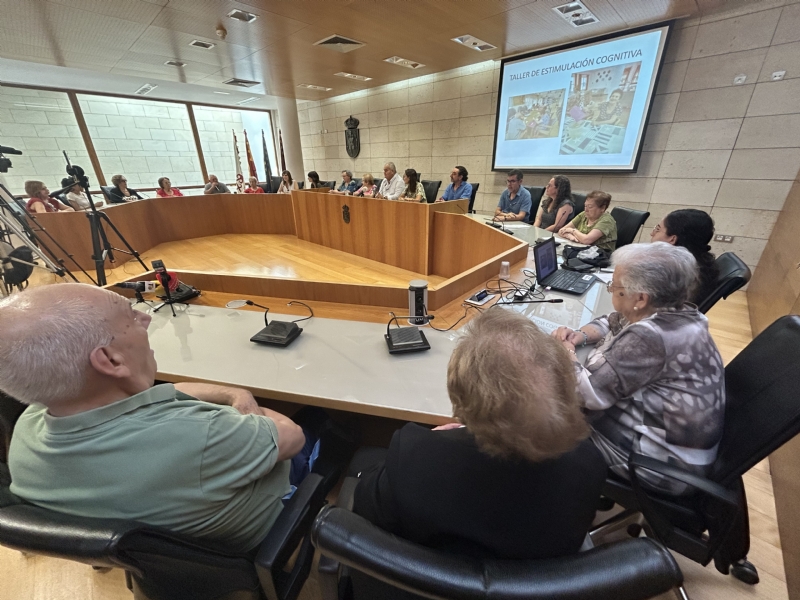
[(352, 137), (346, 213)]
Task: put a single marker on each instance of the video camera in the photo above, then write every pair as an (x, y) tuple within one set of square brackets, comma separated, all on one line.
[(5, 163)]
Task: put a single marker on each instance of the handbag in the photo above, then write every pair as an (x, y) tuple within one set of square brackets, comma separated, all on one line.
[(582, 258)]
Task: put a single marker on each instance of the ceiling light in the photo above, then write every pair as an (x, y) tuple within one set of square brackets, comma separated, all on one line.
[(404, 62), (470, 41), (175, 63), (202, 44), (576, 14), (223, 93), (308, 86), (247, 100), (351, 76), (240, 15), (340, 43), (145, 89), (241, 82)]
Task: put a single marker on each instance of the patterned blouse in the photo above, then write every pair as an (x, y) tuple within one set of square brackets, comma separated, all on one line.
[(420, 191), (655, 387)]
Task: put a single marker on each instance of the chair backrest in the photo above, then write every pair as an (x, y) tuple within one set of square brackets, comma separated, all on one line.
[(733, 275), (579, 199), (106, 189), (276, 182), (431, 189), (762, 399), (301, 184), (475, 187), (331, 185), (358, 181), (632, 569), (629, 222), (536, 195)]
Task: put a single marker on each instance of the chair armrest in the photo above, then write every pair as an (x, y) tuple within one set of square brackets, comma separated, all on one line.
[(328, 568), (726, 501), (628, 570), (291, 526)]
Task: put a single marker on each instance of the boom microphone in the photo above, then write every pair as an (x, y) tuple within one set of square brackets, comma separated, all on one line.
[(9, 150)]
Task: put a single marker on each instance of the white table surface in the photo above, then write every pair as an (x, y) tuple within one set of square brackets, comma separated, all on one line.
[(334, 363)]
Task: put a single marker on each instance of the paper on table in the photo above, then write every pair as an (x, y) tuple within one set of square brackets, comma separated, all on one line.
[(604, 277), (508, 225)]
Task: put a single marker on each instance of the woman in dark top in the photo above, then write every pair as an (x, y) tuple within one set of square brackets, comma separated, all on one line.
[(557, 206), (693, 230), (121, 193), (313, 180), (518, 479)]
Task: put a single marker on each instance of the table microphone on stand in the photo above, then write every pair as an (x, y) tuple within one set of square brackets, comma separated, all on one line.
[(167, 281)]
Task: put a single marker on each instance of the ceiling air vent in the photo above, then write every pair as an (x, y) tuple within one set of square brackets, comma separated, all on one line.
[(470, 41), (240, 15), (404, 62), (241, 82), (308, 86), (576, 14), (202, 44), (340, 43), (175, 63), (352, 76), (145, 89)]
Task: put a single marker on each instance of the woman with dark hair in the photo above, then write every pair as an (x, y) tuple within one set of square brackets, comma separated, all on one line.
[(313, 180), (610, 112), (287, 184), (557, 206), (692, 229), (414, 191), (165, 189)]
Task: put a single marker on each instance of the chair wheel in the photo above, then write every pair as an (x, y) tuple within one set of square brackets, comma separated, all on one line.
[(745, 572), (604, 504), (634, 530)]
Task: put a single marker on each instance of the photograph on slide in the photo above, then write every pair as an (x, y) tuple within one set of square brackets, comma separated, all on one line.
[(598, 109), (535, 116)]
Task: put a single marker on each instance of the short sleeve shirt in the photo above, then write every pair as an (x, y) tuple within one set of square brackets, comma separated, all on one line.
[(606, 224), (521, 203), (420, 191), (348, 187), (464, 191), (160, 457)]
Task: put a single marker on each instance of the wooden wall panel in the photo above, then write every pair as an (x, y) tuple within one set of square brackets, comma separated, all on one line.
[(394, 233), (459, 244)]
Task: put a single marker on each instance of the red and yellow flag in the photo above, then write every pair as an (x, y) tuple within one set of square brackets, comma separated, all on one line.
[(250, 162)]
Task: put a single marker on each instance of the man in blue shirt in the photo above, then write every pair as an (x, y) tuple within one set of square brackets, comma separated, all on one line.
[(515, 201), (458, 188)]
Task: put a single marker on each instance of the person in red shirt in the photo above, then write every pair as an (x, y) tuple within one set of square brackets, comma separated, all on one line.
[(165, 189), (253, 187), (40, 200)]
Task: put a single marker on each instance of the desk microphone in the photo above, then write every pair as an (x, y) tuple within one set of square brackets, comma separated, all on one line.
[(138, 286)]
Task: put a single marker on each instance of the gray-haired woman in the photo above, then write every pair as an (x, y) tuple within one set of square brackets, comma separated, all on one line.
[(654, 384)]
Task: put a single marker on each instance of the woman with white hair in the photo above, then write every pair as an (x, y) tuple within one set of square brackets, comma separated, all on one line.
[(654, 383)]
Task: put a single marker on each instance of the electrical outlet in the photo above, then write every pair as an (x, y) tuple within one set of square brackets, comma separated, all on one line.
[(739, 79), (722, 238), (778, 75), (719, 238), (728, 239)]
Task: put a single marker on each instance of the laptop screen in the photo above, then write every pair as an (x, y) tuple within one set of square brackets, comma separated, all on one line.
[(544, 259)]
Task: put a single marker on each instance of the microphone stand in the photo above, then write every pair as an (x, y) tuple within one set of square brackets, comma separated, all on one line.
[(165, 279)]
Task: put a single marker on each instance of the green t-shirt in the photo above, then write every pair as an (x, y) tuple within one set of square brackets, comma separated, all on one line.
[(606, 224), (160, 457)]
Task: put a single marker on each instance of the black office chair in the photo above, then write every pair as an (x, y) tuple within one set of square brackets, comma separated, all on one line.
[(328, 184), (393, 568), (301, 184), (358, 182), (629, 222), (162, 565), (431, 190), (10, 410), (106, 189), (276, 182), (762, 413), (733, 275), (580, 202), (475, 187), (536, 197)]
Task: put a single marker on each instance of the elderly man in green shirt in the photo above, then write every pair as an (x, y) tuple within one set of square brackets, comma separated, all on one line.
[(99, 440)]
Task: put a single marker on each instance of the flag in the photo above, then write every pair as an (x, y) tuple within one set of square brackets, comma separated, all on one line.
[(251, 164), (236, 154), (267, 168), (283, 158)]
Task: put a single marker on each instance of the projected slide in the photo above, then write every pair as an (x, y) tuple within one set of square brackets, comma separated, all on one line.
[(580, 108)]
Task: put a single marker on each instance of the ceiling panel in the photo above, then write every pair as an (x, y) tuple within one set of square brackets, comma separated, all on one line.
[(138, 36)]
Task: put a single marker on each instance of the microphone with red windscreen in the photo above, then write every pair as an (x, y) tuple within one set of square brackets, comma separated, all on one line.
[(173, 288)]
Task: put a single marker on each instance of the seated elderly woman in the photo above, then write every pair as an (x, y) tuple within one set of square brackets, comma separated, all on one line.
[(348, 185), (594, 226), (692, 229), (120, 193), (77, 197), (165, 189), (368, 188), (253, 187), (40, 200), (654, 383), (517, 477)]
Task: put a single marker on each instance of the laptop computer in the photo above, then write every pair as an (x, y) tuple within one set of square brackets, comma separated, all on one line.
[(549, 275)]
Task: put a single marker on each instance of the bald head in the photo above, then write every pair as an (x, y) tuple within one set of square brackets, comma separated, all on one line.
[(51, 333)]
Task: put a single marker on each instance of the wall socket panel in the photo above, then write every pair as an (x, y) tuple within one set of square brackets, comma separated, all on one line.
[(725, 239)]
